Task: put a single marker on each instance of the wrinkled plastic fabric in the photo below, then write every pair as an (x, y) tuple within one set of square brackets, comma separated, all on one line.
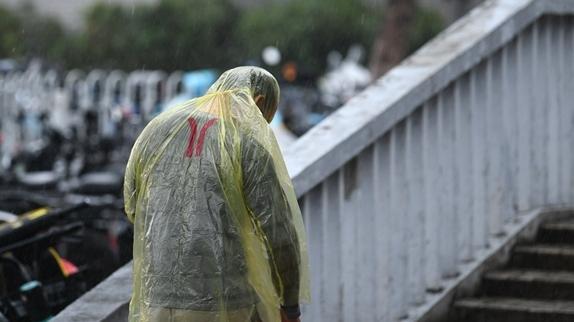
[(218, 234)]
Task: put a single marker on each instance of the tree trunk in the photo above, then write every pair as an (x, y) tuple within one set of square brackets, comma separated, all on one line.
[(392, 41)]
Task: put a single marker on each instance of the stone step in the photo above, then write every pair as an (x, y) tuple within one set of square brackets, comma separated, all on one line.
[(531, 284), (557, 233), (498, 309), (544, 256)]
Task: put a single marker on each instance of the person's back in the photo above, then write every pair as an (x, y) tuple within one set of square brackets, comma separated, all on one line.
[(207, 245)]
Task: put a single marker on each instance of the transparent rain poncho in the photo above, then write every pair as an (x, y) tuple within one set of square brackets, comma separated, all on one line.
[(218, 234)]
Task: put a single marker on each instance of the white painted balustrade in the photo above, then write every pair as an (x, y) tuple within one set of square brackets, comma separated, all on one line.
[(426, 169)]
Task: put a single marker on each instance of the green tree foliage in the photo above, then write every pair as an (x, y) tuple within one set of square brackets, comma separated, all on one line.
[(191, 34), (10, 29), (24, 32), (305, 31), (44, 37), (173, 34), (427, 24)]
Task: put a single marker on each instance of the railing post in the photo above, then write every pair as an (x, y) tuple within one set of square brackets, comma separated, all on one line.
[(568, 116), (537, 147), (383, 259), (432, 211), (510, 128), (313, 220), (481, 231), (416, 207), (448, 171), (366, 231), (553, 113), (331, 216), (524, 115), (564, 62), (464, 152), (349, 223), (498, 175), (399, 235)]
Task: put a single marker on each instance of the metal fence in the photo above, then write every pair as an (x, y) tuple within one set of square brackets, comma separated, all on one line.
[(427, 168)]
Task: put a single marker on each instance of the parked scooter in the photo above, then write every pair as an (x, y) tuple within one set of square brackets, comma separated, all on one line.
[(49, 256)]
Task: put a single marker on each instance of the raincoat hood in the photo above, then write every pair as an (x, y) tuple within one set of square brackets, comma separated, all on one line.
[(258, 81)]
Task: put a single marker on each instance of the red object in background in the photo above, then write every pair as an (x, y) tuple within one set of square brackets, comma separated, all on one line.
[(67, 268), (289, 72)]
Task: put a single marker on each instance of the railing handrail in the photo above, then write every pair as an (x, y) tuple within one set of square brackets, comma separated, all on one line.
[(369, 115)]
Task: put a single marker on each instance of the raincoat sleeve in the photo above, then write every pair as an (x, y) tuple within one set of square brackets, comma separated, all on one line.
[(131, 177), (133, 180), (130, 186), (266, 197)]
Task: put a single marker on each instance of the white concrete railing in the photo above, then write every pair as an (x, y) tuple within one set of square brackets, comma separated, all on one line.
[(418, 175), (413, 180)]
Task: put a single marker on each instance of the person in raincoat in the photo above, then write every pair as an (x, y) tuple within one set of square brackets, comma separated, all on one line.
[(218, 233)]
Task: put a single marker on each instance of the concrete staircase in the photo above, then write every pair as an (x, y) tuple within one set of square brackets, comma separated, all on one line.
[(536, 286)]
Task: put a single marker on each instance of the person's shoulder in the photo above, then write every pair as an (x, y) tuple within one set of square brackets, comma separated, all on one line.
[(254, 148)]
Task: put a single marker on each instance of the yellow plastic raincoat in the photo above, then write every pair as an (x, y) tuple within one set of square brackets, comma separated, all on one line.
[(218, 234)]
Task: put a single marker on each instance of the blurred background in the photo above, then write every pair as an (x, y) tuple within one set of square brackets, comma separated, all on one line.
[(80, 79), (316, 48)]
